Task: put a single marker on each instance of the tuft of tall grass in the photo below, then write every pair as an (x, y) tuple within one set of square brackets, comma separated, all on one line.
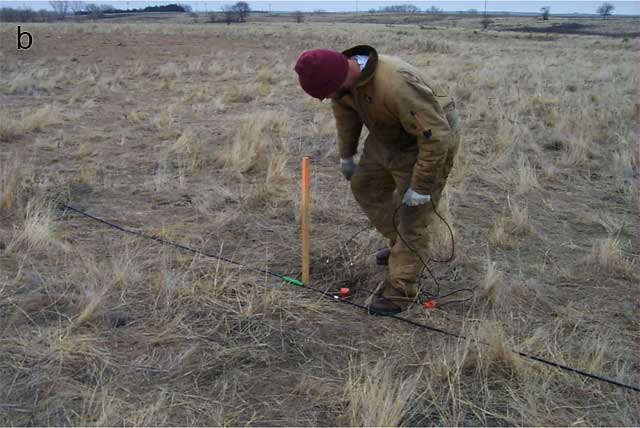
[(30, 121), (607, 257), (376, 396), (38, 229), (258, 141)]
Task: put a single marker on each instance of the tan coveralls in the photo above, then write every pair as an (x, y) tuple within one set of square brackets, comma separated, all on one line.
[(413, 138)]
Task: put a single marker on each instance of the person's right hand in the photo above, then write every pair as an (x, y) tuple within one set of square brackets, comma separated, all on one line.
[(348, 168)]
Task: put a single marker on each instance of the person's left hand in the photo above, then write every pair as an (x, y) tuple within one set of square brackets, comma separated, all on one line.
[(413, 198), (348, 168)]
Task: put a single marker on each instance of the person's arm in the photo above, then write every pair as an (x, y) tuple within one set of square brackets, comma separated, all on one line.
[(421, 115), (349, 126)]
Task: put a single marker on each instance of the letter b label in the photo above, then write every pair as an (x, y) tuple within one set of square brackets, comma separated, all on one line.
[(24, 33)]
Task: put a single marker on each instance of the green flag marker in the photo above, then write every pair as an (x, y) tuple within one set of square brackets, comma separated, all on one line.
[(293, 281)]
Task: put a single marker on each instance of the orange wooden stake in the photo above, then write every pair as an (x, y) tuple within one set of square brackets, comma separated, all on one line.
[(305, 219)]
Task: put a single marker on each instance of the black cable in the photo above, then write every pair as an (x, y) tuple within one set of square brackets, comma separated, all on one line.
[(348, 241), (163, 241), (357, 305), (453, 241), (460, 290)]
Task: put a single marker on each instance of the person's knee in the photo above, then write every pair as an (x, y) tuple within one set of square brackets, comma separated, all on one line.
[(368, 187), (358, 185)]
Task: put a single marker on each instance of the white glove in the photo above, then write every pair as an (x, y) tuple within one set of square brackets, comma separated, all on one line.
[(413, 198), (347, 167)]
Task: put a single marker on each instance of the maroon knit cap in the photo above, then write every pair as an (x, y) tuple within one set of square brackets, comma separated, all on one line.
[(321, 72)]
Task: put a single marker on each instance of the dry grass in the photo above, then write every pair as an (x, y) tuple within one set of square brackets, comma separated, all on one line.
[(165, 122), (9, 128), (322, 124), (169, 70), (30, 82), (492, 287), (13, 174), (607, 257), (266, 75), (377, 397), (511, 228), (257, 141), (490, 355), (190, 151), (194, 133), (527, 178), (30, 121), (38, 229), (246, 93)]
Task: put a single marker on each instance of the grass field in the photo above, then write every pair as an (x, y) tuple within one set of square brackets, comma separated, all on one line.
[(195, 132)]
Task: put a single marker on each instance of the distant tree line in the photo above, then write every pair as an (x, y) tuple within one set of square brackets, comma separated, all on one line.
[(404, 8), (60, 9), (603, 10), (105, 8), (400, 8), (8, 14)]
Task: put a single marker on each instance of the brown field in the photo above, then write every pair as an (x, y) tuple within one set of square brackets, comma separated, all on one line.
[(195, 132)]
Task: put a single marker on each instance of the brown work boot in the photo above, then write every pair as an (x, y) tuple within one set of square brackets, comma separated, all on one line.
[(382, 257), (383, 306), (401, 299)]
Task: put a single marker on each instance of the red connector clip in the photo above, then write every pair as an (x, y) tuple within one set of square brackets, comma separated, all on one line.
[(345, 292), (430, 304)]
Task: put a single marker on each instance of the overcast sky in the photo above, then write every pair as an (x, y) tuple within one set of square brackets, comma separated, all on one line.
[(557, 6)]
